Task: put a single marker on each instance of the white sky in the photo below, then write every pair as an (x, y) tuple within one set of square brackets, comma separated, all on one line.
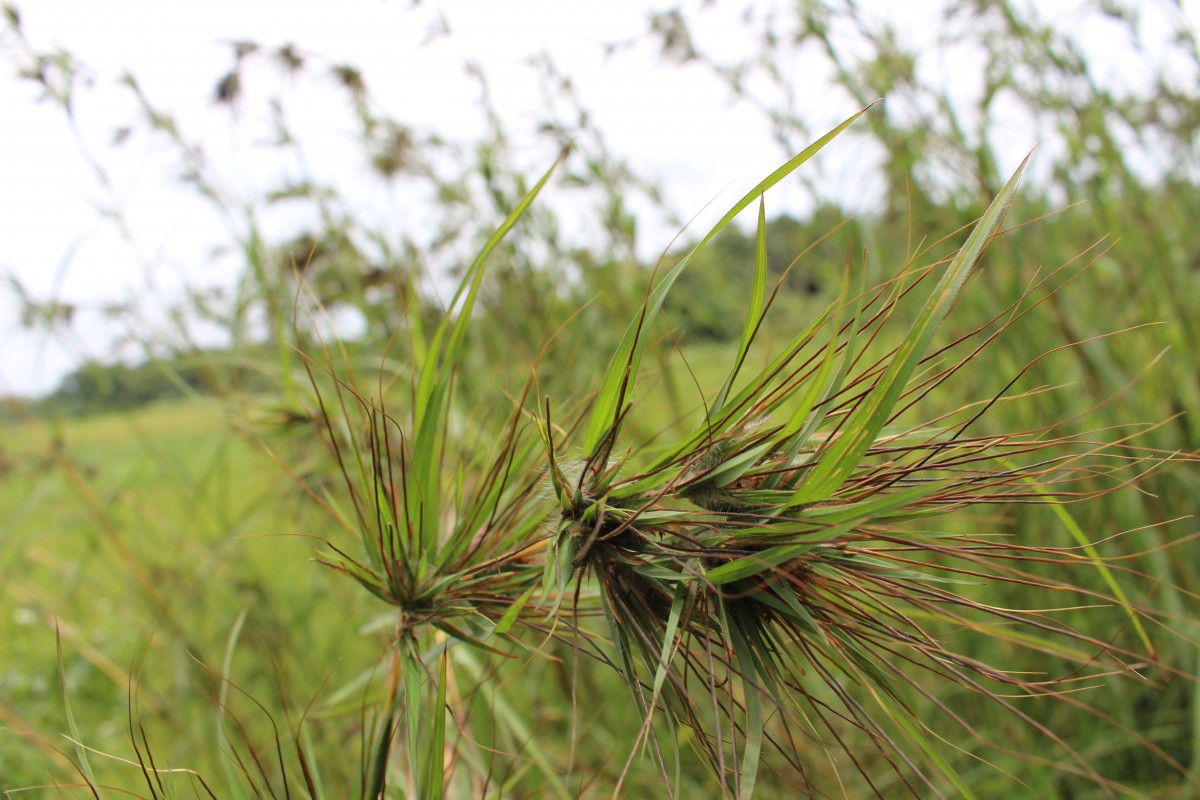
[(676, 125)]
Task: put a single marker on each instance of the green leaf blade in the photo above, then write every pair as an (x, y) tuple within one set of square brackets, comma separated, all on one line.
[(869, 417), (622, 370)]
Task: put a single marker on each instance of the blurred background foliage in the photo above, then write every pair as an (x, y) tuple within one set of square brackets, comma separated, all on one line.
[(135, 498)]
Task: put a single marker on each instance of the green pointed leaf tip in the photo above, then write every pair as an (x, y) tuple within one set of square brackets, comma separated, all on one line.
[(434, 394), (622, 371)]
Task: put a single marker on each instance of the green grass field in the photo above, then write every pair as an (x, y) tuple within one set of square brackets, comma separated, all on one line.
[(141, 538)]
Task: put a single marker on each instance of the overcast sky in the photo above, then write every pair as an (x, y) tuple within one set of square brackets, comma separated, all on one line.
[(678, 126)]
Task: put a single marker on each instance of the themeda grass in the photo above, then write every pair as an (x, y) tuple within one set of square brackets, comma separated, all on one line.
[(773, 591)]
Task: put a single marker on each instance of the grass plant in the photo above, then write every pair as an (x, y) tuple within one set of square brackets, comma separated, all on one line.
[(916, 533), (775, 587)]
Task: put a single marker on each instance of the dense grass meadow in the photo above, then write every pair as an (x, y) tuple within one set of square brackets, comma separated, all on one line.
[(899, 503)]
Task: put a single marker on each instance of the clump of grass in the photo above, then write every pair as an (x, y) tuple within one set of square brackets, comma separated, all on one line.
[(772, 593), (449, 516)]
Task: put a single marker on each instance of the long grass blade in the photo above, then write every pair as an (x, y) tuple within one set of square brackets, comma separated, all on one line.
[(81, 752), (610, 402), (869, 417), (223, 740), (413, 676), (433, 391), (754, 309), (436, 756)]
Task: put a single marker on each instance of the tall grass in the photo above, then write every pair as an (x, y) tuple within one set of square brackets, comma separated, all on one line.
[(768, 583), (917, 542)]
